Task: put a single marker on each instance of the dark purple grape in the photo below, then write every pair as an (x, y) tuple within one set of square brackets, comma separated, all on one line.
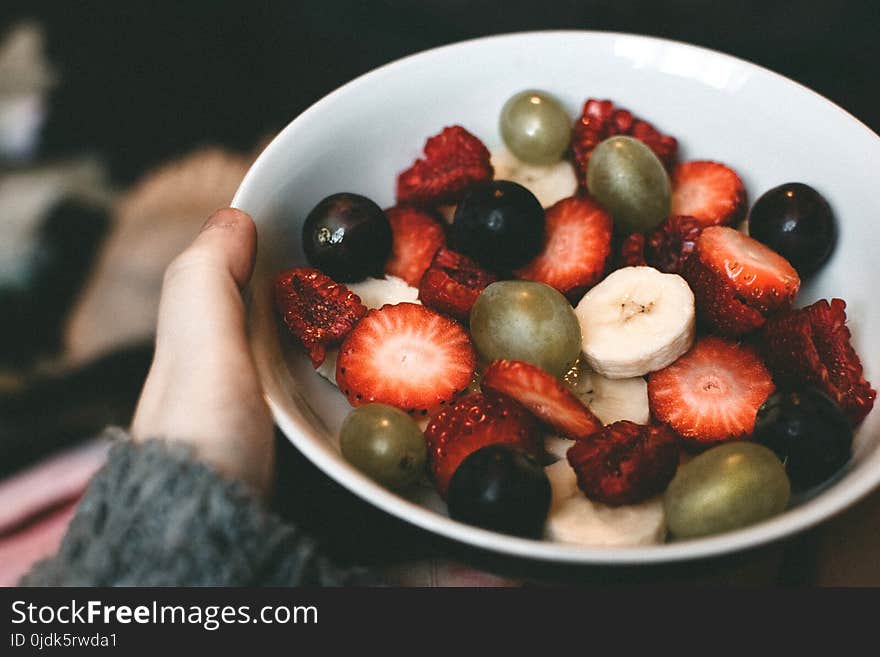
[(501, 488), (347, 237), (795, 221), (501, 226), (808, 432)]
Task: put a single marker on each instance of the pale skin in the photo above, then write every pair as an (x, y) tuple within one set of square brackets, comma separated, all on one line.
[(202, 388)]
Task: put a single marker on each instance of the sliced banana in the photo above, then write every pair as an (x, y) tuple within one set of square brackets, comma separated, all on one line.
[(575, 519), (557, 446), (636, 321), (327, 369), (549, 184), (582, 522), (374, 293), (611, 400), (563, 482)]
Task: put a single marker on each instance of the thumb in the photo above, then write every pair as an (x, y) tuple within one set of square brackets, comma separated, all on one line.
[(200, 294), (203, 388), (230, 238)]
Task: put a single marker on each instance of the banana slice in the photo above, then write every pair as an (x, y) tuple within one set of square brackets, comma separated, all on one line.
[(374, 293), (557, 446), (578, 520), (612, 400), (609, 399), (563, 482), (549, 183), (575, 519), (636, 321)]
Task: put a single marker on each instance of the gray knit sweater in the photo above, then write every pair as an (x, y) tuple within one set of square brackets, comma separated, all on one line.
[(154, 516)]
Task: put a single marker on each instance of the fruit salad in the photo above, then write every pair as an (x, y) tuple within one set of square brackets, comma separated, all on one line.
[(578, 337)]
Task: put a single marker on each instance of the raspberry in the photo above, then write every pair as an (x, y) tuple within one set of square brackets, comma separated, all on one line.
[(455, 162), (812, 345), (669, 245), (318, 311), (599, 120), (625, 462), (632, 251), (452, 283), (665, 248)]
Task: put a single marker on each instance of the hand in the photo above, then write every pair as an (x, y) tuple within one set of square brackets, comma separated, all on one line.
[(203, 388)]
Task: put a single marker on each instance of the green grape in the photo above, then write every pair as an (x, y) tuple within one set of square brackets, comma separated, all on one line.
[(629, 181), (726, 488), (535, 127), (384, 443), (523, 320)]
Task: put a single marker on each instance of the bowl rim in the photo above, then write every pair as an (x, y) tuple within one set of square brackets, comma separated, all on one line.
[(819, 509)]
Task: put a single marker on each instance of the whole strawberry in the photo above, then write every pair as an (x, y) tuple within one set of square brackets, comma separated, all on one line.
[(625, 462)]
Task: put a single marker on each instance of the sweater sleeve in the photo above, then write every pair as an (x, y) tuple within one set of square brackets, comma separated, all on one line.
[(155, 516)]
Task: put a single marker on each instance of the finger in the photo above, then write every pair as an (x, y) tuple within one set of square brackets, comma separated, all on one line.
[(200, 310), (229, 235), (203, 388)]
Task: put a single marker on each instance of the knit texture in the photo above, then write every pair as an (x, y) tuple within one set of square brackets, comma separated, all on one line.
[(155, 516)]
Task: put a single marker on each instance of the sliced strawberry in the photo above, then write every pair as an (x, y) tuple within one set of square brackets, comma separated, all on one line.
[(812, 345), (406, 356), (600, 120), (625, 462), (712, 393), (416, 238), (717, 303), (474, 422), (737, 281), (455, 162), (452, 284), (544, 395), (318, 311), (577, 245), (710, 192)]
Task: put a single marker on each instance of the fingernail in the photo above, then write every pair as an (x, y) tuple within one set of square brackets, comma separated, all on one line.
[(220, 219)]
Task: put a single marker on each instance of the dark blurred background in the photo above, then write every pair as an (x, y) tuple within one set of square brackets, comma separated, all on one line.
[(144, 81)]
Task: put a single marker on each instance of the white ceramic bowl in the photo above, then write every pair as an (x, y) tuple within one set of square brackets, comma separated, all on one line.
[(770, 129)]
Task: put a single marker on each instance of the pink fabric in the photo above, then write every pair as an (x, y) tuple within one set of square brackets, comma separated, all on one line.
[(37, 504), (27, 545)]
